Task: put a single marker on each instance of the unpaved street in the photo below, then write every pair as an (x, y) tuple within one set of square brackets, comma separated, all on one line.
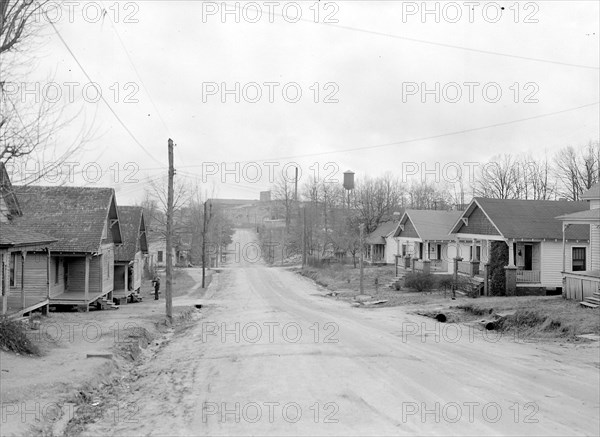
[(272, 356)]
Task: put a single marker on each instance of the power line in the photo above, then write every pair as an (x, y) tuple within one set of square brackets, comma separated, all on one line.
[(411, 140), (101, 95)]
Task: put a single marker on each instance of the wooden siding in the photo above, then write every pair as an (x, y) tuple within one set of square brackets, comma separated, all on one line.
[(57, 284), (478, 224), (138, 270), (595, 247), (409, 230), (552, 261), (3, 211), (35, 275), (76, 275), (106, 271)]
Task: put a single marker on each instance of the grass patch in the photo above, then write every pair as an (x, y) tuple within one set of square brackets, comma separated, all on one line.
[(536, 316), (14, 339)]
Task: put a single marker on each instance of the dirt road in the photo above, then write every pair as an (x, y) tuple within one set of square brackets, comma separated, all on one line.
[(272, 356)]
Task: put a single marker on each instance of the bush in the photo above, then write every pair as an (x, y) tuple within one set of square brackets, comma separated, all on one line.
[(498, 260), (13, 338), (420, 281)]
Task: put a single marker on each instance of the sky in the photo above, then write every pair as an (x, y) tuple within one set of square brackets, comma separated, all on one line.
[(412, 88)]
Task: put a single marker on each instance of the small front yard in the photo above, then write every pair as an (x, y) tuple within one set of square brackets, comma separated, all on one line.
[(531, 317)]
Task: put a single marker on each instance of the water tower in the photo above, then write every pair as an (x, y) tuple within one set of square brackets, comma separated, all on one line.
[(348, 183)]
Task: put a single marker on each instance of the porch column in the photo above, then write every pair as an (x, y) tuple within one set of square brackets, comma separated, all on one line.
[(474, 268), (564, 247), (4, 261), (23, 256), (426, 260), (86, 287), (48, 282), (511, 253), (126, 279)]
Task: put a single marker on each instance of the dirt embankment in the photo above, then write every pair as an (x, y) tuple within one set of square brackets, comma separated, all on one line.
[(84, 358)]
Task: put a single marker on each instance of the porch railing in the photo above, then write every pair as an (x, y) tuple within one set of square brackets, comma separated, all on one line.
[(464, 267), (528, 276), (580, 286), (439, 265)]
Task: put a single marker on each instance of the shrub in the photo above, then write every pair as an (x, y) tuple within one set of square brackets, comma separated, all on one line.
[(498, 260), (420, 281), (13, 338)]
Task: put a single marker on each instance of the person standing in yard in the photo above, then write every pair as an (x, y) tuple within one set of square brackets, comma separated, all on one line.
[(156, 285)]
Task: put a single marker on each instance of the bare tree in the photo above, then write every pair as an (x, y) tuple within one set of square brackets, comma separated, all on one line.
[(283, 194), (30, 129), (577, 169), (497, 178)]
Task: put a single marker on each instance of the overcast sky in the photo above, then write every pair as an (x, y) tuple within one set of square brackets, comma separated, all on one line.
[(371, 62)]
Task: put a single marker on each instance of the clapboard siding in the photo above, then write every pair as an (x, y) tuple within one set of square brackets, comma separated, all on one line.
[(478, 224), (3, 211), (35, 275), (138, 270), (552, 261), (57, 283), (107, 269), (76, 278), (409, 230), (595, 247)]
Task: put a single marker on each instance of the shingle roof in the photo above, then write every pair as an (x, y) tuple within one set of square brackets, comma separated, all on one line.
[(590, 214), (382, 231), (532, 219), (131, 222), (13, 235), (433, 224), (75, 216), (592, 193)]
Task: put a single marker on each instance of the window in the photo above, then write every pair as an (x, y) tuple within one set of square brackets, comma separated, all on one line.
[(160, 256), (579, 261), (13, 266)]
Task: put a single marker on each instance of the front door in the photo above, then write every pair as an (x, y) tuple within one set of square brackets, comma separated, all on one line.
[(528, 257)]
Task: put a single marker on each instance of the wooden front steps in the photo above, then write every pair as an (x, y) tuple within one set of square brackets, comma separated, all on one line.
[(592, 301)]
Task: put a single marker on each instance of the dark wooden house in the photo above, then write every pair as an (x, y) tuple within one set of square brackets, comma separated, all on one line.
[(129, 257), (85, 224)]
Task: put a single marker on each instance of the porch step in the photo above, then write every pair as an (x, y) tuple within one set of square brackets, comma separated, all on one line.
[(594, 300), (588, 305)]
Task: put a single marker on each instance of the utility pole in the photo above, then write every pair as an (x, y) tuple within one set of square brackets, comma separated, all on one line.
[(362, 245), (206, 218), (169, 274)]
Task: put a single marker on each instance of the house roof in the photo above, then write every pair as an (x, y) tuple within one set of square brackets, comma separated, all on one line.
[(133, 231), (431, 224), (74, 216), (593, 193), (13, 235), (7, 193), (383, 230), (527, 219), (583, 216)]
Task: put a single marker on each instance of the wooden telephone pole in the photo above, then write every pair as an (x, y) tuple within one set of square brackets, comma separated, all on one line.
[(362, 246), (206, 218), (169, 285)]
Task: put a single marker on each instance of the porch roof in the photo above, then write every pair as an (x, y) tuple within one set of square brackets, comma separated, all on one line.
[(13, 235), (431, 225), (382, 231), (590, 216)]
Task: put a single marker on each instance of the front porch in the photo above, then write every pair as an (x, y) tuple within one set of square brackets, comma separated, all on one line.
[(14, 305), (581, 285), (78, 298)]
